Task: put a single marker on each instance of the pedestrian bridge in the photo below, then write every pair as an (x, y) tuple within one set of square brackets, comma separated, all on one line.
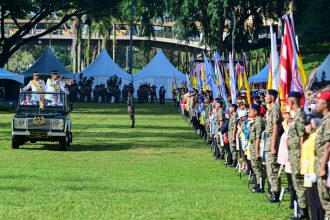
[(164, 37)]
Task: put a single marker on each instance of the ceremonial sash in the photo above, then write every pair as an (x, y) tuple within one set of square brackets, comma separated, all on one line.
[(54, 85), (35, 83)]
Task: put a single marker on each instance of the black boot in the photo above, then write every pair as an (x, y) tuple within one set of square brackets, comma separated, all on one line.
[(132, 126), (234, 164), (274, 197), (257, 189), (302, 214)]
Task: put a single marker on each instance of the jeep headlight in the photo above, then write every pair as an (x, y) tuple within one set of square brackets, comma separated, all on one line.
[(19, 123), (57, 124)]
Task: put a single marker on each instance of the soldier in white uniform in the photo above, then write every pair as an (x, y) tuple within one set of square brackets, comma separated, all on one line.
[(54, 84), (36, 85)]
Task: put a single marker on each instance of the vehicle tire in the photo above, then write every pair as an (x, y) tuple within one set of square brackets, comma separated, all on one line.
[(65, 142), (15, 142), (71, 138)]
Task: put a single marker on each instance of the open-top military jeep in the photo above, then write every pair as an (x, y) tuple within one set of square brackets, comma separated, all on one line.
[(42, 117)]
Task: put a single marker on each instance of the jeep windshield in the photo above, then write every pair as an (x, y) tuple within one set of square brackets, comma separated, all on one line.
[(42, 103)]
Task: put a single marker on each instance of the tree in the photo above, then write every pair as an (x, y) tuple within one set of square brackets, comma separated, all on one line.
[(37, 10), (313, 21)]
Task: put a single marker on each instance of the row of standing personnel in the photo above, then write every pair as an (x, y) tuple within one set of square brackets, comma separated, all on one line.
[(249, 133)]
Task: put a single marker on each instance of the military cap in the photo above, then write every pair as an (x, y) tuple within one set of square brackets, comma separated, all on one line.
[(324, 95), (36, 73), (255, 107), (272, 92), (294, 94), (55, 72)]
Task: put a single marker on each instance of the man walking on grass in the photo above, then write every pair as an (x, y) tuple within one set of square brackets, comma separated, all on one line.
[(131, 107)]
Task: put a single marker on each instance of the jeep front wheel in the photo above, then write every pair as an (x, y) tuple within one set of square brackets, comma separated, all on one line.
[(65, 142), (15, 142)]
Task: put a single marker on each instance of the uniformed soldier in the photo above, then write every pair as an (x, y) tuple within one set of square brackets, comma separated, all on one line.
[(322, 145), (232, 130), (273, 126), (36, 85), (256, 127), (296, 136), (219, 123), (208, 111), (131, 107)]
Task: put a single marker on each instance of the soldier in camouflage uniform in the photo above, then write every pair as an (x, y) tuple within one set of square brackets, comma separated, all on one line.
[(232, 130), (322, 144), (208, 110), (273, 126), (219, 123), (131, 107), (296, 135), (256, 127)]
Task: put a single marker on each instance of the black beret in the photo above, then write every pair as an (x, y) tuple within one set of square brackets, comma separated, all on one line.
[(234, 106), (54, 72), (294, 94), (255, 107), (256, 97), (272, 92)]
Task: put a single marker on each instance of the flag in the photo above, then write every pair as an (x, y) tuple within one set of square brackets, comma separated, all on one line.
[(232, 79), (210, 77), (292, 74), (274, 75), (188, 83), (222, 86), (245, 80)]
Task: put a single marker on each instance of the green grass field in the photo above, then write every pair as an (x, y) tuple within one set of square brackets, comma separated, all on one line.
[(158, 170)]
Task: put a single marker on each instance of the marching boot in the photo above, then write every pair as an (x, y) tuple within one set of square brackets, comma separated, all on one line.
[(234, 164), (274, 197), (256, 188), (132, 126), (302, 214)]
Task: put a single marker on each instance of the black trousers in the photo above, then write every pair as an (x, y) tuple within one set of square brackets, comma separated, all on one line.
[(315, 207), (293, 195)]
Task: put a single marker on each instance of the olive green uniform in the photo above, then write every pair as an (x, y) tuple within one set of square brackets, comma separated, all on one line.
[(274, 117), (256, 128), (131, 108), (296, 131), (233, 121), (220, 119), (323, 136)]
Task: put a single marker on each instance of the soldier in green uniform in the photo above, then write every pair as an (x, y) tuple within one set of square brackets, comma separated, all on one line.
[(322, 145), (208, 110), (219, 123), (256, 127), (131, 107), (296, 136), (232, 130), (273, 126)]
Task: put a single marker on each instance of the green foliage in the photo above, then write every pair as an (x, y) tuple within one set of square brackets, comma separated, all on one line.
[(314, 25), (158, 170)]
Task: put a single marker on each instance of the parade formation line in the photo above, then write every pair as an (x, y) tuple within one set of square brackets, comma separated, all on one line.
[(158, 170)]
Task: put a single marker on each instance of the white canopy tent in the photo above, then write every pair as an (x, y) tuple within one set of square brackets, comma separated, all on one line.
[(4, 74), (45, 64), (159, 72), (102, 68)]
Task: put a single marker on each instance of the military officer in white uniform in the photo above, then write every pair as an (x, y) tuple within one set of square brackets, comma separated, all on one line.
[(36, 85), (54, 84)]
